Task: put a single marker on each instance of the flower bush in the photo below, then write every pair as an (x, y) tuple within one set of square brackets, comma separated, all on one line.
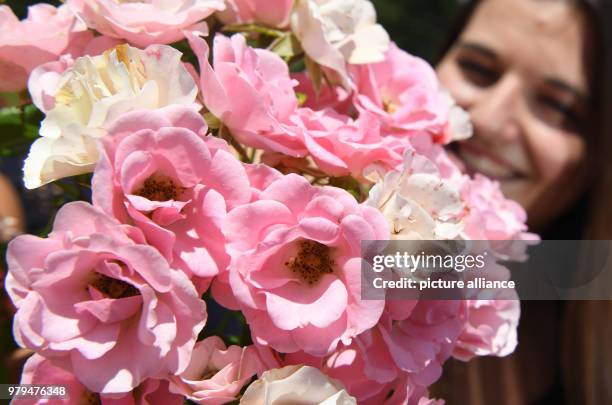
[(236, 154)]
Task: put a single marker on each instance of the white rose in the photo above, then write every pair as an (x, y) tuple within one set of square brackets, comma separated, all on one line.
[(334, 32), (90, 95), (417, 203), (302, 385)]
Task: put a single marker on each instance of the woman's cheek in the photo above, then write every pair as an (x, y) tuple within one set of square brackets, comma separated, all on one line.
[(558, 156)]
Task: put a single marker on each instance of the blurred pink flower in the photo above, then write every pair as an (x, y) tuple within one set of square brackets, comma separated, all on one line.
[(492, 217), (295, 266), (144, 23), (216, 373), (39, 370), (99, 303), (42, 37), (250, 91), (490, 329), (159, 172), (274, 13)]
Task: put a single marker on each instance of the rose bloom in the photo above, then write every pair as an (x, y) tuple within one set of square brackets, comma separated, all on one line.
[(341, 146), (100, 304), (417, 203), (90, 95), (336, 32), (274, 13), (296, 384), (492, 217), (403, 92), (42, 37), (161, 173), (364, 367), (491, 329), (148, 22), (421, 343), (250, 91), (39, 370), (216, 373), (296, 272)]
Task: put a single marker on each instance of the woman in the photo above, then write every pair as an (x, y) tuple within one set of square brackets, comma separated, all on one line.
[(535, 77)]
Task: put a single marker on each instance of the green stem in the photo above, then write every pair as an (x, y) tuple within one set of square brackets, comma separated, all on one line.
[(253, 28)]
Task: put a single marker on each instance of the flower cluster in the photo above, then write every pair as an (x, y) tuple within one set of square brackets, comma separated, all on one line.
[(245, 185)]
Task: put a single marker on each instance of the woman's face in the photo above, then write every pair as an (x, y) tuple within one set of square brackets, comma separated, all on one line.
[(518, 70)]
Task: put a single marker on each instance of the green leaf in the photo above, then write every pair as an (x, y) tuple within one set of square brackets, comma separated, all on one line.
[(286, 46), (19, 127), (10, 116)]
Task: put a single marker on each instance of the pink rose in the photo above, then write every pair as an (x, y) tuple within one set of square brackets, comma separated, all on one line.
[(274, 13), (343, 147), (260, 177), (145, 23), (490, 329), (100, 304), (364, 367), (421, 343), (295, 268), (403, 391), (39, 370), (329, 96), (160, 172), (216, 373), (43, 36), (403, 92), (492, 217), (411, 350), (251, 92)]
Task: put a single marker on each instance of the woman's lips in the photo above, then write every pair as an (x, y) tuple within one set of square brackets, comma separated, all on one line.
[(479, 160)]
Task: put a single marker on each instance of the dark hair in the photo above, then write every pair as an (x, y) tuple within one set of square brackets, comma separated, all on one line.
[(586, 349)]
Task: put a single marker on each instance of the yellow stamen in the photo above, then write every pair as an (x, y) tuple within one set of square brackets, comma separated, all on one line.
[(113, 288), (311, 262)]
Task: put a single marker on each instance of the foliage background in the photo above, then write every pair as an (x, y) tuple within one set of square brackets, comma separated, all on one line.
[(418, 26)]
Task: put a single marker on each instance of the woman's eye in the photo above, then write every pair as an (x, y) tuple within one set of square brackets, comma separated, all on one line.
[(557, 113), (479, 74)]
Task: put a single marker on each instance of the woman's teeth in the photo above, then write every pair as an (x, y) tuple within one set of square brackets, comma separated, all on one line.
[(488, 167)]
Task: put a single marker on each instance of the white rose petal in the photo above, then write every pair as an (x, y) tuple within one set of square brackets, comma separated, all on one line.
[(418, 205), (336, 32), (299, 384), (94, 92)]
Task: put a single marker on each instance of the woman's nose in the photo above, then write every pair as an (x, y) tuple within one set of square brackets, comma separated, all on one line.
[(495, 110)]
